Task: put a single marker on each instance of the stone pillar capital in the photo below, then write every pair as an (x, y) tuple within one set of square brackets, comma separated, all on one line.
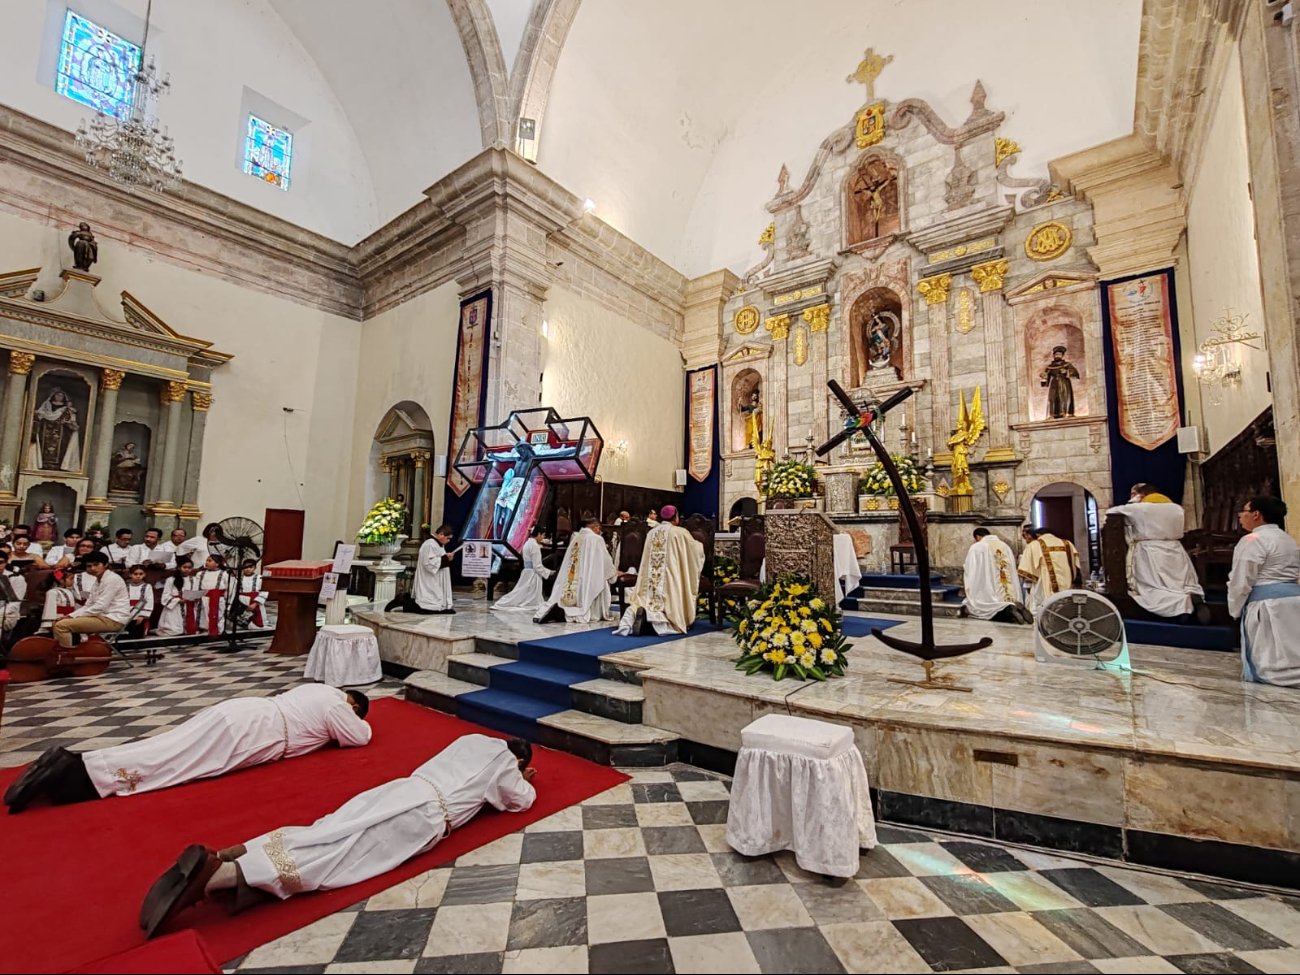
[(172, 392), (20, 363), (934, 290), (200, 402), (111, 378)]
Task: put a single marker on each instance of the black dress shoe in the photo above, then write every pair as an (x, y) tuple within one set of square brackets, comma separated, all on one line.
[(553, 615), (642, 626), (37, 778), (182, 886)]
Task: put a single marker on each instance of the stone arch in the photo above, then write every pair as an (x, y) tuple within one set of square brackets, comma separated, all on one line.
[(401, 463), (1087, 498), (534, 67), (881, 174), (487, 68)]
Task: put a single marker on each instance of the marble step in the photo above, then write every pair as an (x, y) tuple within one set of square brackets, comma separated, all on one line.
[(616, 699), (591, 736), (944, 594), (904, 607)]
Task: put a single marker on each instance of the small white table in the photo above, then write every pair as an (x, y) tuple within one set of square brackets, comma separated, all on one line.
[(344, 655), (800, 785)]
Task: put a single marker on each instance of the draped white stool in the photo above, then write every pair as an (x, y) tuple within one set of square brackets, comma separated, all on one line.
[(800, 785), (344, 655)]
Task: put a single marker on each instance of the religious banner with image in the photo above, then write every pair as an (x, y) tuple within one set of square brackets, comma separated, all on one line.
[(700, 417), (468, 386), (1146, 380)]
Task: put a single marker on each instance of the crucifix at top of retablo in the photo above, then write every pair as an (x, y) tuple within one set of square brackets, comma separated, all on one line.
[(868, 71)]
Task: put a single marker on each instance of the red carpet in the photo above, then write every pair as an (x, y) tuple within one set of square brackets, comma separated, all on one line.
[(74, 875), (182, 953)]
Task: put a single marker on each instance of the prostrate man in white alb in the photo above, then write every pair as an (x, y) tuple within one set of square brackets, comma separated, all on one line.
[(106, 609), (991, 582), (1048, 565), (1264, 591), (1161, 577), (431, 591), (368, 835), (668, 582), (581, 591), (231, 735)]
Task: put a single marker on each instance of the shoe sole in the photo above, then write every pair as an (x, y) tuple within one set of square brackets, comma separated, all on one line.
[(22, 790), (160, 904)]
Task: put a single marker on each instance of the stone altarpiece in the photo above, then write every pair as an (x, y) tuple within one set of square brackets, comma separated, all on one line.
[(102, 417), (909, 254)]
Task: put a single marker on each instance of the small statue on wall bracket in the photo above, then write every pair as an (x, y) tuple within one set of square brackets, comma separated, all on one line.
[(1057, 377), (85, 249)]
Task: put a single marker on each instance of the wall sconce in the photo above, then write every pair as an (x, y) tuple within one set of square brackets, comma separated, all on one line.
[(526, 139), (1215, 364), (588, 205)]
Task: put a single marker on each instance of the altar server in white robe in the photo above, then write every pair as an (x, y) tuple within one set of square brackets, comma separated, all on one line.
[(1264, 591), (1161, 577), (992, 585), (231, 735), (668, 582), (527, 594), (251, 593), (368, 835), (171, 621), (431, 591), (208, 615), (581, 593), (1048, 565)]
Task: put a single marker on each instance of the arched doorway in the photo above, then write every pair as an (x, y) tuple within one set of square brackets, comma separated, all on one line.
[(402, 465), (1069, 511), (742, 508)]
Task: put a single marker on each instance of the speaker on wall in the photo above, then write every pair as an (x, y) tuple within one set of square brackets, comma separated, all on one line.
[(679, 478), (440, 465), (1190, 440)]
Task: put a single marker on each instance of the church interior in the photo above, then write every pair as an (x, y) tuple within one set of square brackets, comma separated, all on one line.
[(729, 487)]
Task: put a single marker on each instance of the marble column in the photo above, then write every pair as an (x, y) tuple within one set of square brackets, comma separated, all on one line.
[(389, 467), (110, 381), (11, 432), (935, 292), (421, 458), (779, 326), (171, 396), (200, 403), (989, 278)]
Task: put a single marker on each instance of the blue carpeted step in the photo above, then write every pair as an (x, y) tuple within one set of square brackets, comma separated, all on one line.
[(538, 681), (512, 714), (888, 580), (1225, 638), (582, 651)]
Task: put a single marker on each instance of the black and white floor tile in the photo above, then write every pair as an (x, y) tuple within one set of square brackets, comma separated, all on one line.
[(640, 879)]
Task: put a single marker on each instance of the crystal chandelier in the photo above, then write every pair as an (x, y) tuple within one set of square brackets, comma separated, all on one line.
[(1214, 363), (133, 150)]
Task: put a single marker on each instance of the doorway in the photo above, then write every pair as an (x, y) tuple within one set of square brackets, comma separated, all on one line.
[(1069, 511)]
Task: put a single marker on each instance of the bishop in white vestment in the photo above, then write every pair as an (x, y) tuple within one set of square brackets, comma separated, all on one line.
[(368, 835), (527, 593), (231, 735), (668, 582), (1264, 591), (581, 590), (1161, 577), (1048, 565), (992, 585)]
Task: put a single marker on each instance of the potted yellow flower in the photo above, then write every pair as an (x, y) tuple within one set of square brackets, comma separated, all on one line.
[(382, 528), (788, 630)]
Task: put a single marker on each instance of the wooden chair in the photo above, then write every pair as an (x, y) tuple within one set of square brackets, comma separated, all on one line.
[(753, 549), (631, 543), (905, 550), (703, 529)]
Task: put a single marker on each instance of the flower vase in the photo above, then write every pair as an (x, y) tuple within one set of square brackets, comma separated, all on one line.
[(387, 550)]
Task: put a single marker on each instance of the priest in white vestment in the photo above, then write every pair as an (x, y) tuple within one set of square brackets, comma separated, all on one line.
[(1264, 592), (992, 585), (1048, 565), (231, 735), (527, 593), (431, 589), (368, 835), (581, 593), (1161, 577), (668, 582)]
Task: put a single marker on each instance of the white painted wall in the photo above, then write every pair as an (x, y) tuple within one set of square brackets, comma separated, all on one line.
[(675, 116), (510, 18), (407, 353), (627, 379), (256, 456), (213, 50), (1223, 261)]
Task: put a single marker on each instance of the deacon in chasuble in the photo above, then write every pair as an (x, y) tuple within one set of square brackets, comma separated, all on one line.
[(527, 593), (993, 590), (581, 592), (1264, 591), (1048, 565), (668, 582), (1160, 572), (368, 835), (231, 735)]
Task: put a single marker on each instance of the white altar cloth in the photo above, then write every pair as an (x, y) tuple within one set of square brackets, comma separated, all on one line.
[(344, 655)]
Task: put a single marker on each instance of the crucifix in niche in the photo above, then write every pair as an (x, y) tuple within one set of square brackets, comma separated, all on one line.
[(873, 201)]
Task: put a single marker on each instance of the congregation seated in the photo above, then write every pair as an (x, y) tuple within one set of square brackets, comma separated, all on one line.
[(119, 550), (668, 582), (1162, 580)]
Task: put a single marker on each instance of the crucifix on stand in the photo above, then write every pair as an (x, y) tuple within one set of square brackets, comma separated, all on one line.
[(859, 421)]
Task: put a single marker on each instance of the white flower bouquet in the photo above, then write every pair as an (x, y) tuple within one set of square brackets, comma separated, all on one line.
[(876, 481), (384, 523)]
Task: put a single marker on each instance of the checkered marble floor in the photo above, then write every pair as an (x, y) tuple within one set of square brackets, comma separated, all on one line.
[(640, 879)]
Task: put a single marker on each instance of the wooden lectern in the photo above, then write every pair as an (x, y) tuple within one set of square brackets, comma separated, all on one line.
[(295, 585)]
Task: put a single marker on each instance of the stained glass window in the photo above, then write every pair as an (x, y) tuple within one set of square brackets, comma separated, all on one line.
[(96, 67), (268, 152)]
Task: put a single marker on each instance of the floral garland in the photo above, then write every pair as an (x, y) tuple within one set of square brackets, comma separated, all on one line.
[(876, 481), (384, 523), (789, 479), (787, 630)]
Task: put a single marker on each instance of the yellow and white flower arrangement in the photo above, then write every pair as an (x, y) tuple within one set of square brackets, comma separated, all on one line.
[(383, 524), (789, 479), (725, 570), (876, 481), (788, 630)]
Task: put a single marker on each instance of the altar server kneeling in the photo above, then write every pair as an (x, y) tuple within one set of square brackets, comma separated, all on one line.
[(1264, 591), (1161, 577), (992, 585), (431, 591), (527, 593)]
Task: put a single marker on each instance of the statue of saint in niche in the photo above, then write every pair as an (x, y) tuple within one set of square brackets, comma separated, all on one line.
[(884, 331), (56, 435), (1057, 376), (873, 201), (753, 411), (85, 250), (126, 475), (46, 527)]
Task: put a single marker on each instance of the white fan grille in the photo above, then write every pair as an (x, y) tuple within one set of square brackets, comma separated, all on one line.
[(1081, 625)]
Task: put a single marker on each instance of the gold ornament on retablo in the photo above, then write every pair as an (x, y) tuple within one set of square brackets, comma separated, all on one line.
[(869, 128), (1048, 241), (746, 320)]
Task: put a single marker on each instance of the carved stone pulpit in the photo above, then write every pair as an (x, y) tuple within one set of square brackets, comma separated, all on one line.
[(802, 542)]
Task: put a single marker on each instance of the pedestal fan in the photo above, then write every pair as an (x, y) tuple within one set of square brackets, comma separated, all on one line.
[(238, 539)]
